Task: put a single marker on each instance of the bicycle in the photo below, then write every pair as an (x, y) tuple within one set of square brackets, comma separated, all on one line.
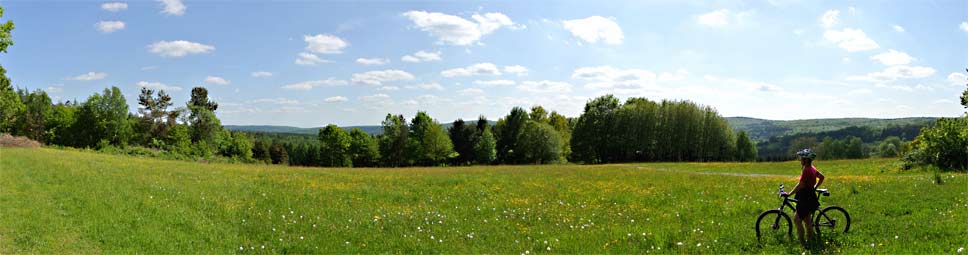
[(828, 221)]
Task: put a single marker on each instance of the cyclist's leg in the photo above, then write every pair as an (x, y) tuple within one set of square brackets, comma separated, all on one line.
[(797, 221), (809, 226)]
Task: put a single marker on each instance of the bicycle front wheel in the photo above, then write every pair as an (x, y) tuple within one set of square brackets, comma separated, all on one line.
[(832, 220), (773, 225)]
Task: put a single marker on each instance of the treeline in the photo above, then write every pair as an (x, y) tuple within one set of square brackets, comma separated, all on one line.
[(103, 122), (847, 143)]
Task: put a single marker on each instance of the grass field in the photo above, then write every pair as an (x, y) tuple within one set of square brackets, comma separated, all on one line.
[(59, 201)]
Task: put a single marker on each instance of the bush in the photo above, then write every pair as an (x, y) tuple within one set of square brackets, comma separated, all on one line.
[(944, 145)]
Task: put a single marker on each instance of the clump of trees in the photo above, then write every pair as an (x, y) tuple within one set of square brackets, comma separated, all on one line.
[(643, 130), (944, 145)]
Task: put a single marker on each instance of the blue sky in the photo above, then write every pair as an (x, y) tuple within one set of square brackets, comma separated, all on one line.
[(309, 64)]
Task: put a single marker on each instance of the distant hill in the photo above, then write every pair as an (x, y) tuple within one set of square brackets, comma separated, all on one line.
[(762, 130), (373, 130)]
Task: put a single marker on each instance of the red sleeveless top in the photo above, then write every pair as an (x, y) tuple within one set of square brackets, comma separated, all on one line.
[(809, 176)]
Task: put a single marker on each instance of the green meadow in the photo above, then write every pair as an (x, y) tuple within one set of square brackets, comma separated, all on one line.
[(69, 201)]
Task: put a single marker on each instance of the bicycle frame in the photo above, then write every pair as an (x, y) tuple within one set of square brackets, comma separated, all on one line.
[(786, 201)]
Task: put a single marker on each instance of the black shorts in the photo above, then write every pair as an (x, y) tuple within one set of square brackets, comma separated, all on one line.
[(806, 202)]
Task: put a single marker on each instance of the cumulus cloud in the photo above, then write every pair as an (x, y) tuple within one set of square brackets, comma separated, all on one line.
[(476, 69), (892, 73), (957, 79), (594, 29), (678, 75), (456, 30), (276, 101), (470, 91), (850, 39), (260, 74), (422, 56), (495, 82), (56, 88), (309, 85), (427, 86), (830, 18), (158, 86), (114, 6), (893, 57), (607, 77), (898, 29), (306, 58), (372, 61), (172, 7), (545, 86), (89, 76), (389, 88), (722, 18), (964, 26), (108, 27), (217, 80), (336, 99), (180, 48), (325, 44), (516, 69), (375, 98), (748, 85), (381, 76)]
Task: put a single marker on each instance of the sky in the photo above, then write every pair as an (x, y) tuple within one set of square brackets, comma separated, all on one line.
[(313, 63)]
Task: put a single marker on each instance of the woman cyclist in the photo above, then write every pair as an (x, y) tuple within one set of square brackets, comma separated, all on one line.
[(806, 193)]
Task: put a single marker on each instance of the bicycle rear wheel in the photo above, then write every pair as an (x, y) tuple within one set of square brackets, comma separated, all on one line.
[(773, 225), (832, 220)]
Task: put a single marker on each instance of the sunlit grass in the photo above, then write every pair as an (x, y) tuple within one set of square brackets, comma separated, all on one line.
[(56, 201)]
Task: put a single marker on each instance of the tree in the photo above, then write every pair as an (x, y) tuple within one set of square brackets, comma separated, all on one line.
[(179, 140), (260, 150), (463, 137), (485, 150), (155, 119), (538, 143), (239, 146), (944, 145), (200, 99), (507, 131), (561, 125), (37, 111), (279, 154), (964, 97), (394, 140), (103, 117), (745, 148), (593, 135), (204, 124), (429, 144), (10, 104), (854, 148), (364, 150), (62, 118), (889, 147), (5, 38), (538, 114), (334, 147)]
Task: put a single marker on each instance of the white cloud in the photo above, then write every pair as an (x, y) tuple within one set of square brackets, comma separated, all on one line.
[(336, 99), (679, 75), (306, 58), (372, 61), (892, 73), (545, 86), (898, 29), (108, 27), (958, 79), (180, 48), (325, 44), (893, 57), (475, 69), (57, 88), (850, 39), (422, 56), (456, 30), (717, 18), (516, 69), (173, 7), (276, 101), (149, 68), (379, 77), (114, 6), (389, 88), (746, 84), (428, 86), (860, 92), (89, 76), (495, 82), (260, 74), (964, 26), (594, 29), (607, 77), (830, 18), (375, 98), (158, 86), (309, 85), (217, 80), (470, 91)]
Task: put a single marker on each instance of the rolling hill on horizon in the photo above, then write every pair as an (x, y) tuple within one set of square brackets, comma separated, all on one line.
[(758, 129)]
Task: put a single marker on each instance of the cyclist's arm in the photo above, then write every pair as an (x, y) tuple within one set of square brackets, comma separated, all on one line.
[(795, 188), (820, 181)]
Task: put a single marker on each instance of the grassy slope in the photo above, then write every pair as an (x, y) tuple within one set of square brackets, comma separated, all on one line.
[(56, 201), (762, 130)]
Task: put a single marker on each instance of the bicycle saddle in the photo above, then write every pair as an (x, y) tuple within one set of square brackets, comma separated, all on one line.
[(823, 191)]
